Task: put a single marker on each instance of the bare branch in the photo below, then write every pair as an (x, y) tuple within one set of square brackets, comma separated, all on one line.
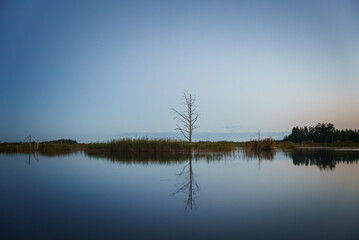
[(195, 119), (187, 118), (184, 168), (183, 132), (182, 115), (181, 189)]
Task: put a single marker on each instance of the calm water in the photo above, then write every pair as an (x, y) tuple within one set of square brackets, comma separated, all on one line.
[(311, 194)]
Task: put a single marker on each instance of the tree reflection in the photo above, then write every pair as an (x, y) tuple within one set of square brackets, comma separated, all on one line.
[(324, 159), (188, 183), (189, 186)]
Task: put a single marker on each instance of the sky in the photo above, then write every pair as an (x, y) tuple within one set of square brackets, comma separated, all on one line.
[(95, 70)]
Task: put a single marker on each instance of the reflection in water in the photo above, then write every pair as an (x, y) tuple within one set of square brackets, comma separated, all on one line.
[(66, 197), (260, 155), (189, 185), (143, 158), (325, 159), (162, 158), (36, 156)]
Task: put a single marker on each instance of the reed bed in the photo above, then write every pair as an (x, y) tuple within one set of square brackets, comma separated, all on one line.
[(157, 145), (222, 146), (286, 145), (139, 145), (261, 149), (120, 145), (51, 149), (267, 144), (48, 148)]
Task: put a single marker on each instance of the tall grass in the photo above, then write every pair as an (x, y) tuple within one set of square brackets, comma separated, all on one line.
[(48, 148), (267, 144), (286, 145), (51, 149), (121, 145), (157, 145), (261, 149), (139, 145), (222, 146)]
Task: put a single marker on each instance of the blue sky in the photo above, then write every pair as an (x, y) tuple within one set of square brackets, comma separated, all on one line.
[(96, 69)]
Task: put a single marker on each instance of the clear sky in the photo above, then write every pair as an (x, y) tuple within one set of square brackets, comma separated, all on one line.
[(84, 69)]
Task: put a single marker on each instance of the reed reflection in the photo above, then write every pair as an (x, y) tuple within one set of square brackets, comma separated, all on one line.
[(142, 158), (162, 158), (259, 154)]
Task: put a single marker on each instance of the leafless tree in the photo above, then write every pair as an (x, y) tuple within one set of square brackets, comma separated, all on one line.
[(187, 119)]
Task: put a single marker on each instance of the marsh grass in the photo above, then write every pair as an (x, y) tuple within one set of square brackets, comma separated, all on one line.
[(49, 148), (222, 146), (52, 149), (156, 145), (267, 144), (341, 144), (261, 149), (286, 145), (139, 145), (120, 145)]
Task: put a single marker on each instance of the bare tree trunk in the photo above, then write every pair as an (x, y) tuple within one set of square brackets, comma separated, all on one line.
[(187, 119)]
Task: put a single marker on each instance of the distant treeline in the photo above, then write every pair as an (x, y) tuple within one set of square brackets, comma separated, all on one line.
[(63, 141), (57, 147), (323, 133)]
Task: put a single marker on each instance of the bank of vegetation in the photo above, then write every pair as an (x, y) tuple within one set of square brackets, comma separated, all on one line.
[(157, 145), (322, 133), (128, 145), (139, 145), (46, 148), (261, 145)]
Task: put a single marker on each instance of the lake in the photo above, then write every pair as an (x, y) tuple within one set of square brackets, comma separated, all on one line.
[(303, 194)]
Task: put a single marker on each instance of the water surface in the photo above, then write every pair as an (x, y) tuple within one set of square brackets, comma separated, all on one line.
[(281, 195)]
